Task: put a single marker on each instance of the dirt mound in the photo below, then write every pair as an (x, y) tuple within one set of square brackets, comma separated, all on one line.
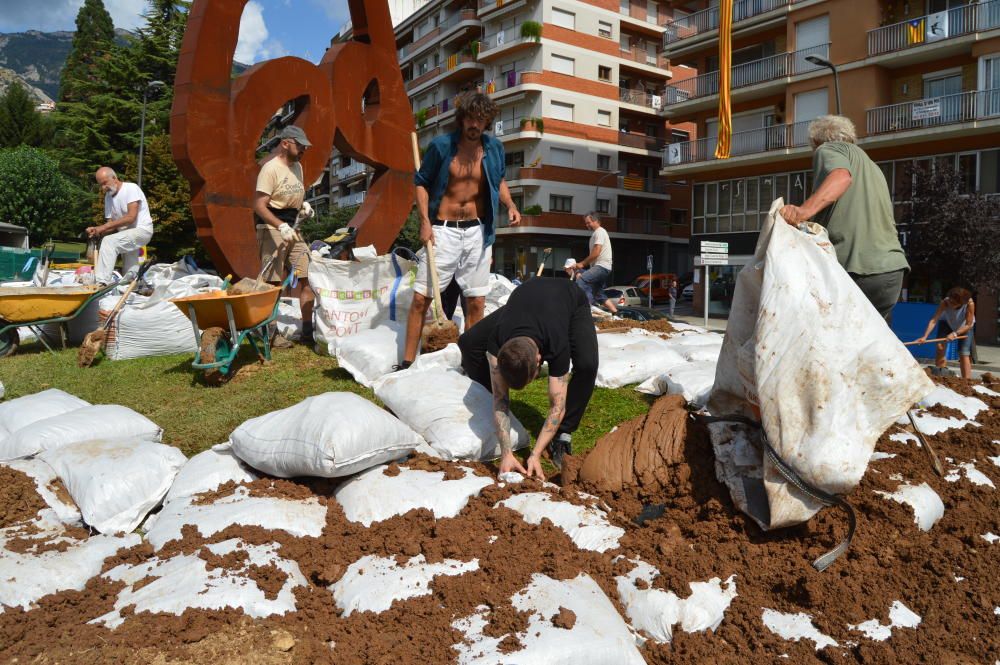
[(247, 285), (437, 337), (656, 326), (19, 498), (644, 454), (947, 575)]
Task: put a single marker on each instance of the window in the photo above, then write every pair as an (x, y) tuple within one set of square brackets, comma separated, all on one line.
[(677, 136), (561, 111), (514, 158), (560, 203), (564, 19), (604, 206), (603, 73), (560, 157), (604, 118), (604, 162), (604, 29), (562, 64), (623, 40)]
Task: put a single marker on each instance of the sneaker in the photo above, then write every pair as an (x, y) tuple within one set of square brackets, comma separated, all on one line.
[(279, 342), (561, 446)]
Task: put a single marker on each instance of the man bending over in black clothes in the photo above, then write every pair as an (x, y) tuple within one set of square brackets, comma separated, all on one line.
[(545, 319)]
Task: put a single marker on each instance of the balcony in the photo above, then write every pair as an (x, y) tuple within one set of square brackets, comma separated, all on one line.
[(422, 78), (354, 169), (637, 225), (494, 43), (640, 141), (637, 183), (938, 111), (968, 19), (765, 139), (439, 34), (705, 20), (644, 57), (640, 97), (640, 14), (355, 199), (771, 68)]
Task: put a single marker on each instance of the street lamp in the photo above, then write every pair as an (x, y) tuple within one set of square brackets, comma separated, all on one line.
[(597, 188), (142, 125), (823, 62)]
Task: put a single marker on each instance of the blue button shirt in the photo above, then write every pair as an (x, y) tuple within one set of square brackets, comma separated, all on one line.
[(433, 176)]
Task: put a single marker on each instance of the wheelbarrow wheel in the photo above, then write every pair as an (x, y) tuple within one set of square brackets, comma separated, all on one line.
[(215, 346), (9, 342)]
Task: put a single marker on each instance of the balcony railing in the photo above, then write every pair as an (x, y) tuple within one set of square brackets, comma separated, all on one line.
[(975, 17), (945, 110), (708, 19), (636, 183), (640, 98), (645, 57), (502, 38), (770, 68), (658, 19), (641, 141), (352, 170), (423, 78), (777, 137), (638, 225), (439, 30), (355, 199)]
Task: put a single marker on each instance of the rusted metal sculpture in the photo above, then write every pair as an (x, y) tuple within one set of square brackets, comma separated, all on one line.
[(217, 121)]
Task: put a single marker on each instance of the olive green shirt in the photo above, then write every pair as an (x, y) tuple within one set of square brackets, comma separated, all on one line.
[(860, 223)]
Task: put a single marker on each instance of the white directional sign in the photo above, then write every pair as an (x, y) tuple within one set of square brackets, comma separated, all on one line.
[(713, 260), (711, 247)]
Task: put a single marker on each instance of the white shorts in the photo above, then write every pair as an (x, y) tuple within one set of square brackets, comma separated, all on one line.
[(460, 255)]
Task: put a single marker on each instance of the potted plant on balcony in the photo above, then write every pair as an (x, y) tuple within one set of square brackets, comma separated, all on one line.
[(532, 124), (421, 116), (532, 30), (472, 48), (532, 210)]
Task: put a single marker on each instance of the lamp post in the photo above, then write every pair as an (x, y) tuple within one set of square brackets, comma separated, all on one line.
[(597, 188), (142, 124), (823, 62)]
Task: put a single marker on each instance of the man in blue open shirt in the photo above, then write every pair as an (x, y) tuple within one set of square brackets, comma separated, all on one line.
[(459, 185)]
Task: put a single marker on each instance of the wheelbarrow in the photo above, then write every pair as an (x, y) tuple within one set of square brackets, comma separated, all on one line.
[(35, 306), (221, 322)]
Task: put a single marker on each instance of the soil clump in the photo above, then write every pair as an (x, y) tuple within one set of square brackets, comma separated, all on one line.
[(19, 497), (437, 337), (655, 326)]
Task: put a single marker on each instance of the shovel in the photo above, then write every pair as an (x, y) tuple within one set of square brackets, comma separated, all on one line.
[(541, 264), (96, 340)]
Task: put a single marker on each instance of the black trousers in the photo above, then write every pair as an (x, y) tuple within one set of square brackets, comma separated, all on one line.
[(583, 352)]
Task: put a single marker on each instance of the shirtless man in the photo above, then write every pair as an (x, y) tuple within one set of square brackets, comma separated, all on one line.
[(459, 186)]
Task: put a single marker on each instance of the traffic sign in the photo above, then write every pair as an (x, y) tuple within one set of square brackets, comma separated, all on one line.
[(649, 263), (715, 260), (712, 247)]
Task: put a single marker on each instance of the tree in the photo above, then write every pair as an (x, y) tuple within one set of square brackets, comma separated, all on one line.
[(20, 123), (323, 226), (35, 194), (95, 35), (952, 232)]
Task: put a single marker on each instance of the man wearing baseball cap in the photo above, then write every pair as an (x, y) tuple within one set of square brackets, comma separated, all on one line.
[(278, 203)]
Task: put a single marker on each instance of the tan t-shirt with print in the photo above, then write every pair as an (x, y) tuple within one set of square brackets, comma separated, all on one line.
[(282, 183)]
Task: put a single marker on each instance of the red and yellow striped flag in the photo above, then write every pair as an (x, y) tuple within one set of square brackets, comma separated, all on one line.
[(725, 69)]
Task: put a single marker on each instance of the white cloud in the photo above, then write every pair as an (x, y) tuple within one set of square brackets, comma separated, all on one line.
[(49, 15), (253, 45)]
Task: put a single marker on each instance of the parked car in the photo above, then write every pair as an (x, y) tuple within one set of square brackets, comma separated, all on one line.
[(624, 296), (687, 293), (661, 285), (721, 290), (640, 313)]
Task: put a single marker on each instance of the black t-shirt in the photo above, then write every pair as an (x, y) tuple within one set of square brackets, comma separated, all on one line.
[(541, 309)]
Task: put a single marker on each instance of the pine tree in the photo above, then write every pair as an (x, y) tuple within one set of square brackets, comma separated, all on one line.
[(95, 35), (20, 123)]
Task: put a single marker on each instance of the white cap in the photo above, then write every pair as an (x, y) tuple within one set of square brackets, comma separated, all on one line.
[(569, 263)]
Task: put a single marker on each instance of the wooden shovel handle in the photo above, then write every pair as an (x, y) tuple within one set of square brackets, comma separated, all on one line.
[(931, 341)]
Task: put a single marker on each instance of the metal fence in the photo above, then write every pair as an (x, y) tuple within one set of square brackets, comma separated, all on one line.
[(776, 137), (944, 110), (975, 17)]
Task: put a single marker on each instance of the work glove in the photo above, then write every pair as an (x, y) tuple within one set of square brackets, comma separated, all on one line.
[(287, 232), (306, 211)]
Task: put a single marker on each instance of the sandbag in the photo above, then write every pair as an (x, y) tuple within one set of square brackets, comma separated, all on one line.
[(453, 413), (692, 380), (328, 435), (44, 476), (23, 411), (806, 349), (289, 319), (206, 471), (115, 482), (373, 583), (371, 354), (587, 526), (88, 423), (635, 362), (352, 296)]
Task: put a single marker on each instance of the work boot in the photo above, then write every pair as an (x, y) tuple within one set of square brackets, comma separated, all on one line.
[(559, 447), (307, 336), (401, 366), (279, 342)]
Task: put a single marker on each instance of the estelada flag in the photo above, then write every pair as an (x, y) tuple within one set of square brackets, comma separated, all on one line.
[(725, 76)]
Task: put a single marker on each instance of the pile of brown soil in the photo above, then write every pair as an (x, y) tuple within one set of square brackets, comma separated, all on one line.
[(947, 575), (19, 498), (435, 337), (247, 285), (656, 326)]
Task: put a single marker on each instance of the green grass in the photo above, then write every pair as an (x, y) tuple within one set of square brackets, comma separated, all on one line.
[(195, 416)]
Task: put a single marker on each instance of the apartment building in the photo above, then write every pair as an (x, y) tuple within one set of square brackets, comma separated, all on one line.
[(919, 78), (580, 86)]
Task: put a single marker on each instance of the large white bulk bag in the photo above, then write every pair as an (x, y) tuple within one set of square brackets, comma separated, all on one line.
[(116, 482), (805, 347), (328, 435), (352, 296), (88, 423), (452, 412)]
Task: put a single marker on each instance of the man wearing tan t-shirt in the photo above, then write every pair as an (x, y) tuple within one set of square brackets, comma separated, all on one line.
[(278, 202)]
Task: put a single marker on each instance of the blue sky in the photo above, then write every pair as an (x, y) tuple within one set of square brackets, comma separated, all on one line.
[(269, 29)]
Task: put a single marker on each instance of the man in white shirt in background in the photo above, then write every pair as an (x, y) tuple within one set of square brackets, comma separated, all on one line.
[(129, 226), (597, 266)]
